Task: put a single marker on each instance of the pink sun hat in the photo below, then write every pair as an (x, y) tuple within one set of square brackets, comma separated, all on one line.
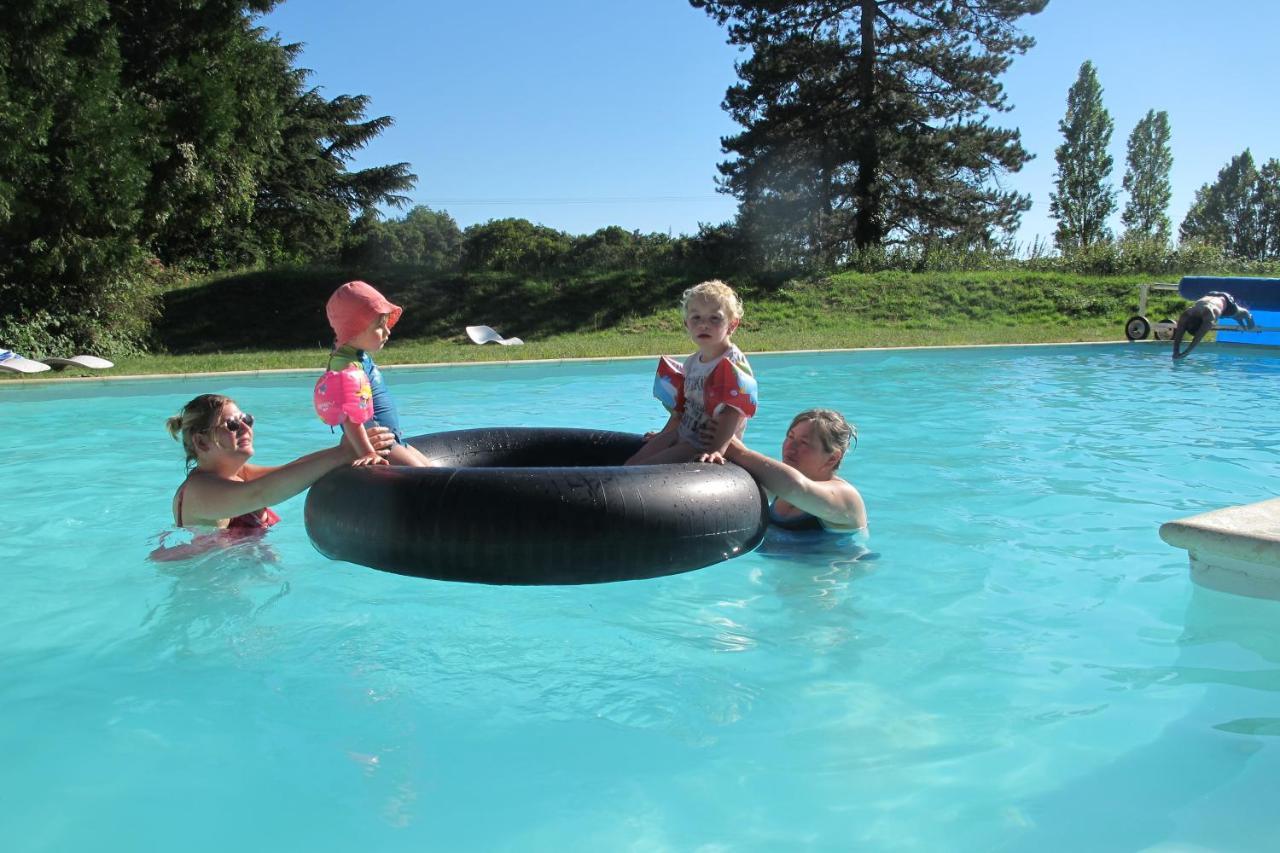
[(353, 308)]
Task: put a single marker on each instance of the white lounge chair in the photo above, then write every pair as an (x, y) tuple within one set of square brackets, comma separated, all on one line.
[(14, 363), (484, 335), (89, 362)]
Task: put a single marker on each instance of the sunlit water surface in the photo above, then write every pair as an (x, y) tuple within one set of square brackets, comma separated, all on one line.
[(1019, 664)]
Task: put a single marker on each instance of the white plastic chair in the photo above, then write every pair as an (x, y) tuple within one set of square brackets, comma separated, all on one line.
[(484, 335)]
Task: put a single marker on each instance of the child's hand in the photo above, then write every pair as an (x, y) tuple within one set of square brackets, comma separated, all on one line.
[(713, 457), (369, 459)]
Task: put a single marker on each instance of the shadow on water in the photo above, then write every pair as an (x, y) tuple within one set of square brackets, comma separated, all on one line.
[(1203, 779)]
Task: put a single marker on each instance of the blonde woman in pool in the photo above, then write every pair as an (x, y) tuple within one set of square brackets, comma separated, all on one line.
[(222, 488)]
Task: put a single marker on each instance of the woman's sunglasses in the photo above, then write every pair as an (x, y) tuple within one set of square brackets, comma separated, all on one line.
[(240, 424)]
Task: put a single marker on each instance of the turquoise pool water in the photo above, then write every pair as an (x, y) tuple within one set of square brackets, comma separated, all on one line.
[(1021, 664)]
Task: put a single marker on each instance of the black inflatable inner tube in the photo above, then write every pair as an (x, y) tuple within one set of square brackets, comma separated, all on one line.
[(535, 506)]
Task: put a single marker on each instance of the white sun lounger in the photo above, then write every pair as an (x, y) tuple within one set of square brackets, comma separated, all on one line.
[(91, 362), (484, 335), (14, 363)]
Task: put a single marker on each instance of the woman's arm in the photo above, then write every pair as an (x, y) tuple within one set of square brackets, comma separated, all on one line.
[(359, 441), (207, 498), (725, 430), (834, 501), (380, 437)]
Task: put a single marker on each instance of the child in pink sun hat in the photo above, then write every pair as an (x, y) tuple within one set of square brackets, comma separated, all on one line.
[(352, 392)]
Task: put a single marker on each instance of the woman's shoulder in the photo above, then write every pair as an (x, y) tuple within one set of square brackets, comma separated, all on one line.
[(799, 521), (198, 480), (849, 495), (187, 498), (848, 488)]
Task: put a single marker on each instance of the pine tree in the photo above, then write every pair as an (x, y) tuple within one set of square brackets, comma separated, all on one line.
[(248, 162), (1083, 200), (131, 128), (1240, 211), (205, 78), (1146, 179), (72, 177), (867, 121), (306, 197), (1267, 196)]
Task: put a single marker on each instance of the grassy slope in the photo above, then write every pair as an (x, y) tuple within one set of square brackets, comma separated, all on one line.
[(276, 319)]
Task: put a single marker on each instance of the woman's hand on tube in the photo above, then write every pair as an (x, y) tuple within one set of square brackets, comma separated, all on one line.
[(381, 439)]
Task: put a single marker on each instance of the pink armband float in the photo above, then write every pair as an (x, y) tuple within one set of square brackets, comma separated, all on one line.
[(668, 384), (344, 395), (730, 385)]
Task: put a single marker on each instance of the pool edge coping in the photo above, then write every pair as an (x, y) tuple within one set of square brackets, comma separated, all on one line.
[(1233, 549), (278, 371)]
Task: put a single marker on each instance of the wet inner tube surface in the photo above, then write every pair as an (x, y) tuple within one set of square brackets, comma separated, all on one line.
[(535, 506)]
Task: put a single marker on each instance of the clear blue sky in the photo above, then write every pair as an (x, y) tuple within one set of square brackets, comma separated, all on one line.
[(578, 114)]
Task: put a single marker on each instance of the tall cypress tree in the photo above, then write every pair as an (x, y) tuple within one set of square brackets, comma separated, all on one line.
[(1146, 179), (1083, 200), (867, 121)]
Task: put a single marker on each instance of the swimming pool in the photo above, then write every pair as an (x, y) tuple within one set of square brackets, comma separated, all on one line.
[(1020, 664)]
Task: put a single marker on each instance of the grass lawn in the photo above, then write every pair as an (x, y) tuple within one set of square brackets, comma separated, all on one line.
[(275, 319)]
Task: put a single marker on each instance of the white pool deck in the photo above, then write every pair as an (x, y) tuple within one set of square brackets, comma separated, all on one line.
[(1235, 549)]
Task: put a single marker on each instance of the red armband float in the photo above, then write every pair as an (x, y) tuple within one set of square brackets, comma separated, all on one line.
[(730, 385), (668, 384)]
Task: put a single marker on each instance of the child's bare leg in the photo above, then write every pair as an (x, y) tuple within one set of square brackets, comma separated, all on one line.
[(661, 441), (681, 451), (406, 454)]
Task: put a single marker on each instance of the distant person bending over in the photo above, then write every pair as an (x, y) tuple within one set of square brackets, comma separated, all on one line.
[(1202, 315), (352, 391), (713, 383), (807, 494)]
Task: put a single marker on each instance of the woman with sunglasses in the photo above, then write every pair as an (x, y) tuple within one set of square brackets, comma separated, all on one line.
[(222, 489), (806, 493)]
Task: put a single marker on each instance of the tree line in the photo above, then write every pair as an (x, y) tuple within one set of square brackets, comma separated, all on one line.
[(430, 240), (143, 137), (135, 136)]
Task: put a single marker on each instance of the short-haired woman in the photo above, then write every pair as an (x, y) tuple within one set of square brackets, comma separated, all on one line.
[(807, 494)]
